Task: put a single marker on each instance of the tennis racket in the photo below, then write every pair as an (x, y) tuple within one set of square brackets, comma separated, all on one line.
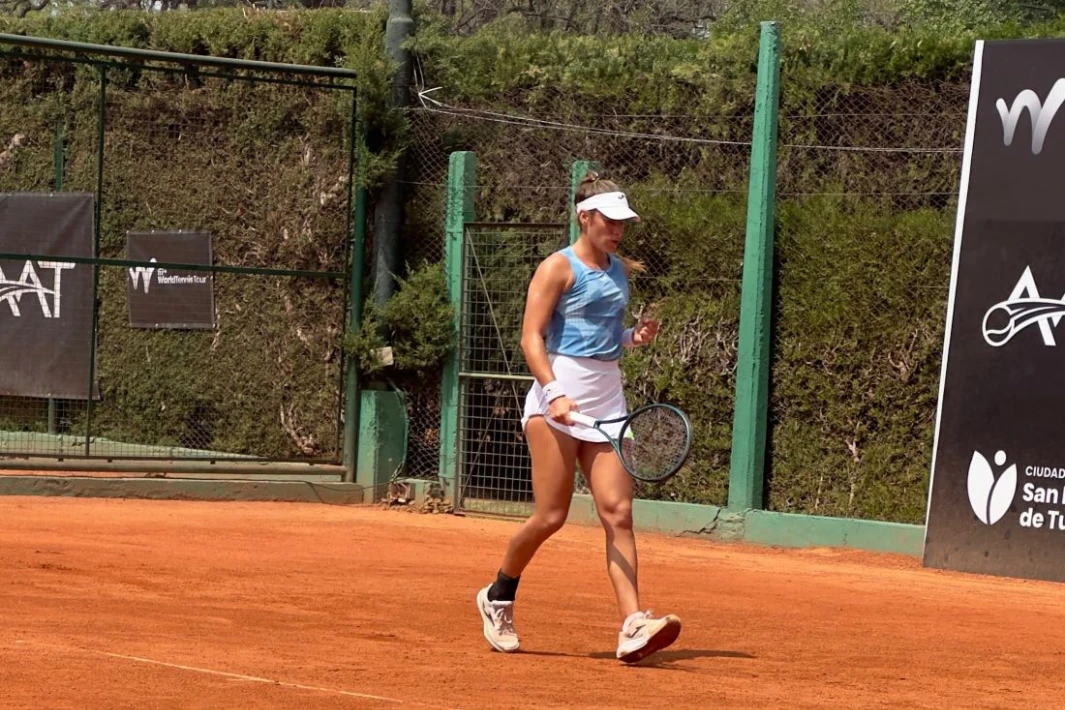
[(653, 442)]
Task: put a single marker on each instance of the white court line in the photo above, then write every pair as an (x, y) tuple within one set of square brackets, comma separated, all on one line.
[(235, 676)]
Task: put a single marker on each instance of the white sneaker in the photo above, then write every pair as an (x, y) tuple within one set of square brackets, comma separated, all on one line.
[(498, 618), (642, 634)]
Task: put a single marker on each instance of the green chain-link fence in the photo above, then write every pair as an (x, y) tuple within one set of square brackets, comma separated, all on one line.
[(261, 158), (867, 179), (690, 241), (865, 195)]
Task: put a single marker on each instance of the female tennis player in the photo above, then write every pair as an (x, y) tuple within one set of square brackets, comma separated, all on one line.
[(572, 338)]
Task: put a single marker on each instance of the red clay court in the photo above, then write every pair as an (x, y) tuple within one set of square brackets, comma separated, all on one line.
[(112, 604)]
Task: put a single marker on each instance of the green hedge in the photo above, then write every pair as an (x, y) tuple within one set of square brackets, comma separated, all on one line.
[(863, 238), (263, 167)]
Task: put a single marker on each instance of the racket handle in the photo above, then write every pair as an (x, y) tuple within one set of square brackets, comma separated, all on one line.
[(583, 419)]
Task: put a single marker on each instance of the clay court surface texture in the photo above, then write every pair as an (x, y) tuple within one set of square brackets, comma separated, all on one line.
[(174, 604)]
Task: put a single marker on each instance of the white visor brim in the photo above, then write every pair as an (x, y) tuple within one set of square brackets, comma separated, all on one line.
[(613, 205)]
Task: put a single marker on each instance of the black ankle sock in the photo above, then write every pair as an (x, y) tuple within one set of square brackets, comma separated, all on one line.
[(504, 589)]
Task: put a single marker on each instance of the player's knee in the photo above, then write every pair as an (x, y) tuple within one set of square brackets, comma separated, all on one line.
[(552, 521), (616, 515)]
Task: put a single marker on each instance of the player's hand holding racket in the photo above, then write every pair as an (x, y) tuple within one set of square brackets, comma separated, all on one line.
[(560, 410)]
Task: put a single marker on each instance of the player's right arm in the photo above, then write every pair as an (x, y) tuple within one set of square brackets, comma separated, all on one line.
[(552, 278)]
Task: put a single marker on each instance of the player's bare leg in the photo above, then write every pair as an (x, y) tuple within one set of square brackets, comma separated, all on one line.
[(612, 489), (554, 456)]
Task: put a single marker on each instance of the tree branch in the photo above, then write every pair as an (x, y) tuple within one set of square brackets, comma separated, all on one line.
[(21, 8)]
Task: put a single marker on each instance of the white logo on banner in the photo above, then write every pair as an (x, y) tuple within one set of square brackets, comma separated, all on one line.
[(143, 274), (1023, 308), (29, 283), (139, 273), (1040, 115), (991, 497)]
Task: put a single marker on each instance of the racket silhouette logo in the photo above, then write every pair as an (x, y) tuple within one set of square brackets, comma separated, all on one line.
[(1024, 308), (991, 496)]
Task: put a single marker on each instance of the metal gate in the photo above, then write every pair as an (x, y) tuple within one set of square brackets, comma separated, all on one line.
[(498, 261)]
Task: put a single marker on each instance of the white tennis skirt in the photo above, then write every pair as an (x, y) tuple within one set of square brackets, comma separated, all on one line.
[(596, 387)]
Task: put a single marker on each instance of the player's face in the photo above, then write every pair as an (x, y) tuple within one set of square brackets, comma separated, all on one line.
[(605, 234)]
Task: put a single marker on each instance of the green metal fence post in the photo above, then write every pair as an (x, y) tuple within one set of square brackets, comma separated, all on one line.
[(577, 172), (59, 157), (751, 418), (58, 168), (101, 131), (461, 189)]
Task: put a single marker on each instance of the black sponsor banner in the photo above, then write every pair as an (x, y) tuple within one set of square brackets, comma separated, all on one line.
[(997, 497), (46, 304), (160, 297)]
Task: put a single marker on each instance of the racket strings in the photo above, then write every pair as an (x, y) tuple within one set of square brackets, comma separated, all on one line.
[(655, 443)]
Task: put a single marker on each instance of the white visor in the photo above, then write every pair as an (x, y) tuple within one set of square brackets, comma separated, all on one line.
[(613, 205)]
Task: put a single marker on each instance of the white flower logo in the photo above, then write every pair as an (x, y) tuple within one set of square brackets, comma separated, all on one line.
[(991, 498)]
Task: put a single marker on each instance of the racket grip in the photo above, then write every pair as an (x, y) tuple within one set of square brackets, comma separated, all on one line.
[(582, 419)]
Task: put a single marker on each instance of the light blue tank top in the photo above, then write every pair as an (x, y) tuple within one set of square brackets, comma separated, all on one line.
[(587, 321)]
